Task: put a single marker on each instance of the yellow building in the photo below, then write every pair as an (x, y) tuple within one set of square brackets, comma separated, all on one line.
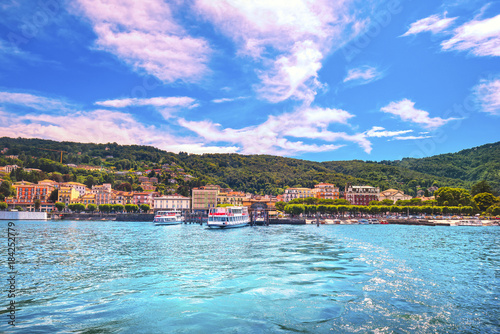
[(293, 193), (234, 198), (67, 195), (87, 199), (205, 197)]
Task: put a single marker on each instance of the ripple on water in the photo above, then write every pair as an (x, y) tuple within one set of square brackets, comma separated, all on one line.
[(105, 277)]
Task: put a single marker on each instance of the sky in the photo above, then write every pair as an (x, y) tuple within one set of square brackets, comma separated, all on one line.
[(318, 80)]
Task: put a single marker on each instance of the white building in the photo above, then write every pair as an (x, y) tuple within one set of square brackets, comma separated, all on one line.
[(394, 195), (172, 202)]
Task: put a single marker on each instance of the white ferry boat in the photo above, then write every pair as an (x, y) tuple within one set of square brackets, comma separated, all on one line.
[(170, 217), (227, 217), (470, 223)]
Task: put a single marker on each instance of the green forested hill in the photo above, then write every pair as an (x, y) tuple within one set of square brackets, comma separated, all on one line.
[(474, 164), (263, 173)]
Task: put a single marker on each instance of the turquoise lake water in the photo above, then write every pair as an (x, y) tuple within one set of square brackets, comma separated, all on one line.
[(121, 277)]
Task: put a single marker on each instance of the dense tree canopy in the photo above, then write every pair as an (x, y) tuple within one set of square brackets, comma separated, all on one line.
[(447, 196)]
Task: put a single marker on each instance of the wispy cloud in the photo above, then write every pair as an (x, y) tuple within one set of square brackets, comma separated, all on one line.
[(174, 101), (100, 126), (273, 136), (406, 110), (229, 99), (411, 137), (434, 23), (363, 75), (378, 131), (480, 37), (34, 101), (487, 93), (145, 35), (286, 40)]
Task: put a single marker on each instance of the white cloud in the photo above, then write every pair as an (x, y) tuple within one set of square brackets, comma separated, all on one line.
[(287, 40), (33, 101), (411, 137), (406, 110), (100, 126), (378, 131), (487, 93), (480, 37), (433, 23), (174, 101), (225, 99), (272, 136), (145, 35), (363, 75)]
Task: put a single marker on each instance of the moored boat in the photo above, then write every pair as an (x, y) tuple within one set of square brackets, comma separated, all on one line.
[(228, 217), (469, 223), (169, 217)]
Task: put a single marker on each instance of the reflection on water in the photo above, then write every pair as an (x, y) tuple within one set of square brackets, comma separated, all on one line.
[(100, 277)]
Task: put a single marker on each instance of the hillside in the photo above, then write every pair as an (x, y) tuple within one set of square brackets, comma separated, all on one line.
[(261, 173), (474, 164)]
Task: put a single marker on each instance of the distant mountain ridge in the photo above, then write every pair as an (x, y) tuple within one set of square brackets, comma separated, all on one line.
[(271, 174), (473, 164)]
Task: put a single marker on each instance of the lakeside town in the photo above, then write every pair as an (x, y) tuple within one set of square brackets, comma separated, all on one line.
[(52, 196)]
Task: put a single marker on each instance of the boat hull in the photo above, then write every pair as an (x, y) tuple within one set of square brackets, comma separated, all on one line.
[(222, 226), (167, 223)]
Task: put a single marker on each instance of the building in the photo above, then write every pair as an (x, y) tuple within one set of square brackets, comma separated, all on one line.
[(102, 194), (27, 192), (79, 187), (143, 179), (293, 193), (87, 199), (205, 197), (48, 182), (140, 198), (67, 195), (233, 198), (326, 191), (361, 195), (172, 202), (148, 186), (8, 168), (394, 195)]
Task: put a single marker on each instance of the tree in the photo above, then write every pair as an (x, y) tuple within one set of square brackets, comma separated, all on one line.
[(105, 208), (145, 207), (452, 196), (3, 206), (118, 208), (484, 200), (18, 208), (125, 186), (6, 189), (38, 203), (294, 209), (481, 187), (341, 201), (91, 207), (60, 206), (54, 195), (76, 207), (492, 210), (131, 208), (280, 206)]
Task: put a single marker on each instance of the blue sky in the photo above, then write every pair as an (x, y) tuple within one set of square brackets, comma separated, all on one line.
[(317, 80)]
